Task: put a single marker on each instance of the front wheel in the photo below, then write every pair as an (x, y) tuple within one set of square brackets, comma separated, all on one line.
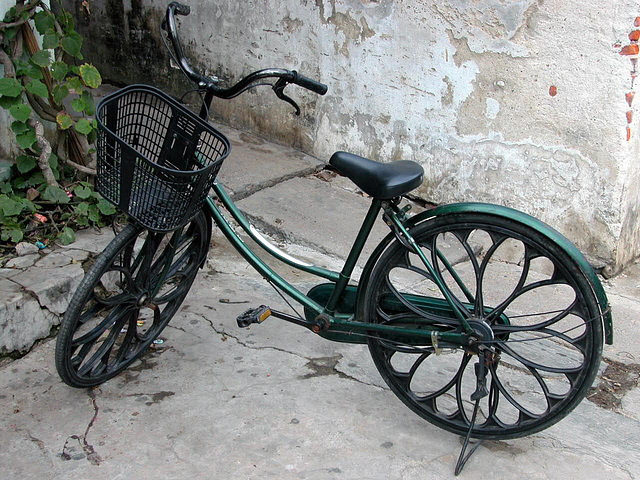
[(126, 299), (525, 297)]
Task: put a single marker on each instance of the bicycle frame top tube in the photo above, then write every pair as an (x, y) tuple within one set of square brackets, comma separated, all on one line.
[(340, 280)]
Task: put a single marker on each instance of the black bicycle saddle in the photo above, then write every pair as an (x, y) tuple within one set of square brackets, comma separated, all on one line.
[(379, 180)]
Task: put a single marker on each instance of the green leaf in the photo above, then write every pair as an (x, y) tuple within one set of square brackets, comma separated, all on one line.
[(89, 106), (15, 235), (21, 182), (20, 112), (82, 208), (10, 16), (9, 207), (36, 179), (72, 44), (43, 21), (90, 75), (83, 221), (31, 71), (105, 207), (94, 215), (26, 139), (91, 138), (5, 187), (10, 87), (8, 102), (53, 161), (75, 84), (37, 88), (19, 127), (25, 163), (64, 120), (60, 93), (82, 192), (41, 58), (55, 194), (59, 70), (83, 126), (78, 105), (10, 33), (28, 204), (66, 20), (67, 236), (50, 40)]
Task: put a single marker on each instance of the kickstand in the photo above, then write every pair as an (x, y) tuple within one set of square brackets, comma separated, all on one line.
[(462, 459)]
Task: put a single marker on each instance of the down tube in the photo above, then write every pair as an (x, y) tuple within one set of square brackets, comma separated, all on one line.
[(256, 262)]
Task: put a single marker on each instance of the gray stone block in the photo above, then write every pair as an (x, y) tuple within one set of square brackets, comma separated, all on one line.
[(53, 287), (25, 261)]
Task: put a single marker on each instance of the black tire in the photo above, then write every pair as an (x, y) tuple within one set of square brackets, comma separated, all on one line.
[(126, 299), (539, 306)]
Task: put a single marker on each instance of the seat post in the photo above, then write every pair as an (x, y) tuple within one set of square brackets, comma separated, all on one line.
[(354, 254)]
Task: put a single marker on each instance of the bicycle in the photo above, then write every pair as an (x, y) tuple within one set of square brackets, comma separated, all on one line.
[(424, 304)]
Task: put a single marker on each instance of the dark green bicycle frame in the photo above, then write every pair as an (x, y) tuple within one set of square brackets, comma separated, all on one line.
[(343, 327), (326, 314)]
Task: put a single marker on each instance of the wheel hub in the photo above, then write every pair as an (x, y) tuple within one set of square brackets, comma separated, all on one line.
[(142, 300), (481, 330)]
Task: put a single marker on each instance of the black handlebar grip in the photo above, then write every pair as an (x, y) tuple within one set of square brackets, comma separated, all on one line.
[(309, 84), (180, 9)]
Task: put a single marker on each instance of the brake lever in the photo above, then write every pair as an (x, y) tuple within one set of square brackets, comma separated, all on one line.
[(278, 88)]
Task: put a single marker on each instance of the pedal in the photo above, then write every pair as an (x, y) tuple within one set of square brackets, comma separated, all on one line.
[(253, 315)]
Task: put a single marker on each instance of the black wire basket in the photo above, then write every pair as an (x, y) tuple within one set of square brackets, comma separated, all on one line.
[(156, 160)]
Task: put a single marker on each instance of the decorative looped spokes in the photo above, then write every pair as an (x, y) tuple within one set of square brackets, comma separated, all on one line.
[(133, 298), (544, 322)]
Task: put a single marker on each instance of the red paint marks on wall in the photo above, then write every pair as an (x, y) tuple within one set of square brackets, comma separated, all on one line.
[(553, 91), (632, 49), (629, 98)]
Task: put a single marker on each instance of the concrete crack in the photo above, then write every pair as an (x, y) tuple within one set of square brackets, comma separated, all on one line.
[(90, 453), (252, 189), (321, 366), (38, 442), (183, 330)]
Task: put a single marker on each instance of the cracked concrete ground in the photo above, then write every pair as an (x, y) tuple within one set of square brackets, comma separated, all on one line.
[(276, 401)]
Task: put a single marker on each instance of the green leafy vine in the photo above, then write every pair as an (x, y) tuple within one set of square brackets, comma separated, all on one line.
[(49, 192)]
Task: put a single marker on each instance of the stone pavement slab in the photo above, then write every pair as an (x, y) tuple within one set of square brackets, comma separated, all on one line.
[(255, 164), (313, 212), (36, 289)]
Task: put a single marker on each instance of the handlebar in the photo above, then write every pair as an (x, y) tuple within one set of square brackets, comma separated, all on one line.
[(284, 76)]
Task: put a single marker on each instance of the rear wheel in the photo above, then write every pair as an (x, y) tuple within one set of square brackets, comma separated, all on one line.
[(126, 299), (523, 295)]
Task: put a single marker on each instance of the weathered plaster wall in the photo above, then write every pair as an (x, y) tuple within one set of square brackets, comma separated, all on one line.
[(522, 103)]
